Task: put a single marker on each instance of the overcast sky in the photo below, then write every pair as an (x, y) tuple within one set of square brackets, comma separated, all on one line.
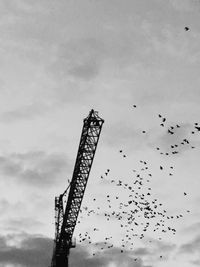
[(60, 59)]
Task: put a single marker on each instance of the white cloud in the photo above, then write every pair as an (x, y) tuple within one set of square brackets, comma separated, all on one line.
[(185, 5)]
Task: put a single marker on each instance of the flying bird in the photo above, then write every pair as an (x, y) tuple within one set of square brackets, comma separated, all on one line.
[(186, 28)]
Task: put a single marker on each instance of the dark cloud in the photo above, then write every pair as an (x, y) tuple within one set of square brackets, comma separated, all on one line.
[(36, 251), (196, 262), (164, 247), (80, 59), (141, 251), (2, 242), (81, 257), (85, 58), (191, 247), (33, 251), (34, 168)]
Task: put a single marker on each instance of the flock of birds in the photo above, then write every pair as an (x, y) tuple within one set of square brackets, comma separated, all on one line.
[(139, 212)]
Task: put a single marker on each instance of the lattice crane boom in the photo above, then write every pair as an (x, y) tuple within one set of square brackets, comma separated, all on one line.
[(66, 221)]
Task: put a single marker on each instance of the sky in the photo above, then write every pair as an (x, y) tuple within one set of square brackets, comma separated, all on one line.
[(59, 60)]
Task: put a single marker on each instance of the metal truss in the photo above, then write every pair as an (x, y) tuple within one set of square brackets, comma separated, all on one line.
[(59, 214), (66, 222)]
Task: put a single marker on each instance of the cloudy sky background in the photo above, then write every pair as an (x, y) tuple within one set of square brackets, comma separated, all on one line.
[(59, 59)]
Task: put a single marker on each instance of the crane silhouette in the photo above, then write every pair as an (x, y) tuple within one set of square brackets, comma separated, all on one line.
[(65, 220)]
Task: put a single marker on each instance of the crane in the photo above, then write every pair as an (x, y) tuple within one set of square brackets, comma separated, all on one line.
[(65, 219)]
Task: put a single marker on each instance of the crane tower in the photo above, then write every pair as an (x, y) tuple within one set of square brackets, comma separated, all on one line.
[(65, 219)]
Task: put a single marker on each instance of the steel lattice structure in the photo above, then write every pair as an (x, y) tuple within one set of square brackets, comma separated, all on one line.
[(66, 221)]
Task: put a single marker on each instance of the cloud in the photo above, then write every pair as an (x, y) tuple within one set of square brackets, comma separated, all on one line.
[(185, 5), (70, 64), (165, 140), (191, 247), (196, 262), (22, 223), (24, 112), (193, 228), (141, 251), (8, 207), (79, 58), (164, 247), (4, 205), (2, 242), (31, 251), (34, 168), (157, 249), (121, 133), (20, 212), (36, 251), (80, 256)]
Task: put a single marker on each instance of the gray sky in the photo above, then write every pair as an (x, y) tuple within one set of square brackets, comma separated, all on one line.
[(61, 58)]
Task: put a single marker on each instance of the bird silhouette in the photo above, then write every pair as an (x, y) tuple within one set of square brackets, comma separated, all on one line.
[(140, 203)]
